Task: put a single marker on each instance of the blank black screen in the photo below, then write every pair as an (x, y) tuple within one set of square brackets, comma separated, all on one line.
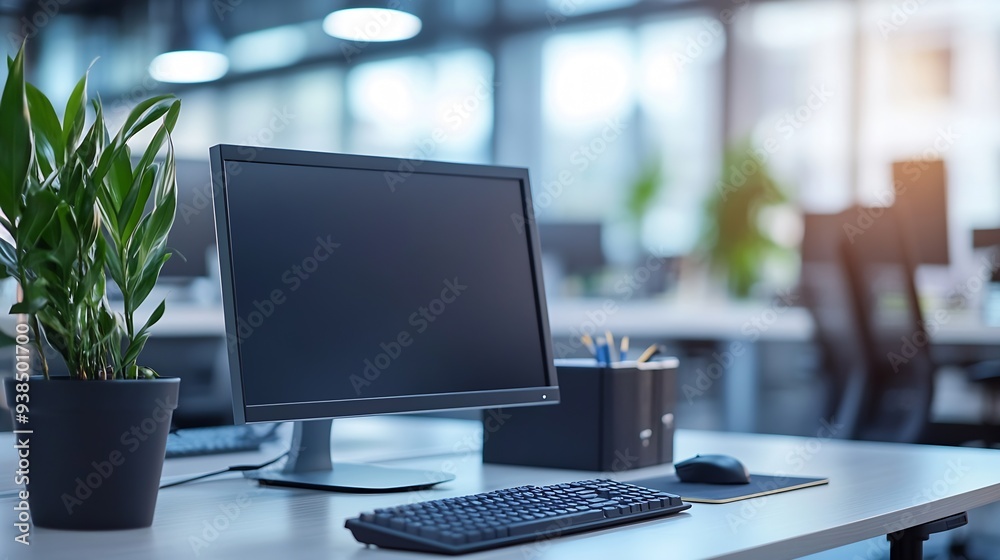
[(346, 288)]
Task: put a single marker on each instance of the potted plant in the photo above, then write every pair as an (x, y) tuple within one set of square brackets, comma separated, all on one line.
[(79, 209)]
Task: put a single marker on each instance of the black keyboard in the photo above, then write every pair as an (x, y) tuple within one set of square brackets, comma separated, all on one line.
[(510, 516), (212, 440)]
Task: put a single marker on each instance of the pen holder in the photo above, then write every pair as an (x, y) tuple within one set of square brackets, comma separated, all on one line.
[(610, 418)]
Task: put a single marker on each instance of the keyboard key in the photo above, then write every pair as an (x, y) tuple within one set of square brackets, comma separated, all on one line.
[(430, 532), (473, 535), (554, 523), (604, 505)]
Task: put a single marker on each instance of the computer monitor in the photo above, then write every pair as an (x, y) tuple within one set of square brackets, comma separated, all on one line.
[(576, 246), (360, 285), (922, 207), (192, 239)]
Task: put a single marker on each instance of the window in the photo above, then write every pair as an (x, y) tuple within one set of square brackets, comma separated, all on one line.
[(615, 100), (680, 93), (300, 112), (792, 96), (437, 106), (931, 91), (588, 99)]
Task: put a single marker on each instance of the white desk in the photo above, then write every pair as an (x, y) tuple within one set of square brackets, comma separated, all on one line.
[(874, 489)]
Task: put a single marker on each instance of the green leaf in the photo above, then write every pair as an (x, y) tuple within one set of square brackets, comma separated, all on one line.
[(119, 180), (156, 316), (153, 148), (135, 202), (115, 268), (145, 113), (15, 140), (75, 114), (97, 138), (46, 128), (148, 273), (65, 253), (172, 115), (39, 213), (92, 216), (141, 116), (161, 220), (166, 187), (27, 306), (91, 287), (134, 348)]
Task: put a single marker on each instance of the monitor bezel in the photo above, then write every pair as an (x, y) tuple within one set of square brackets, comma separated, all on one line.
[(222, 154)]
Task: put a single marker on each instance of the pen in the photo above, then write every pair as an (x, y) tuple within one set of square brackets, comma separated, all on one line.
[(610, 338), (602, 351), (624, 349), (648, 353)]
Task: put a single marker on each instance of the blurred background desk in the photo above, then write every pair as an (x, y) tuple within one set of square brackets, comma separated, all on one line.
[(749, 340), (757, 349)]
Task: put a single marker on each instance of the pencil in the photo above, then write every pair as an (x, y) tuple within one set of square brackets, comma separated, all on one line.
[(588, 343), (624, 349), (648, 353), (611, 344)]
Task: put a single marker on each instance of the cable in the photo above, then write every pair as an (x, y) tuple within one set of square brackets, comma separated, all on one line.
[(235, 468)]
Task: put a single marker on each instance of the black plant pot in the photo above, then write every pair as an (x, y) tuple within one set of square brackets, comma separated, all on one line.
[(95, 450)]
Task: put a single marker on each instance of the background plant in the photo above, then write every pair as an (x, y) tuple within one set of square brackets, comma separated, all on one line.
[(733, 238), (79, 209)]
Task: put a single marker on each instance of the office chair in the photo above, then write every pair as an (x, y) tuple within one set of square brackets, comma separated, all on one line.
[(894, 402), (823, 286), (826, 295)]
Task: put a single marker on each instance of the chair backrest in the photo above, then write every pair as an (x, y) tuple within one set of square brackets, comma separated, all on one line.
[(823, 285), (895, 401)]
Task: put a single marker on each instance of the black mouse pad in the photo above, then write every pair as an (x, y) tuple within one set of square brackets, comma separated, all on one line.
[(760, 485)]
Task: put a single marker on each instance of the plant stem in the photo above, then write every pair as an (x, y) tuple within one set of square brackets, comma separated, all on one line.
[(33, 323), (129, 318)]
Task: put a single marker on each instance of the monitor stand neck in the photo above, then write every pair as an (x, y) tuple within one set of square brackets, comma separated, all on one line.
[(310, 465), (310, 450)]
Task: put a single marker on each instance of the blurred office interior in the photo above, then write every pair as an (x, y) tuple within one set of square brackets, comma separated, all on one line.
[(708, 175), (689, 159)]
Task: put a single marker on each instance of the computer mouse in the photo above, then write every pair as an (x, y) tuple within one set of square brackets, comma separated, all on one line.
[(712, 469)]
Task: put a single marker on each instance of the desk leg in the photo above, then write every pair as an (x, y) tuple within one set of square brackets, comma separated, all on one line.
[(908, 544), (740, 386)]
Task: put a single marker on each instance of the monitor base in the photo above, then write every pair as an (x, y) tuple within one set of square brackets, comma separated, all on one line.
[(310, 466), (353, 477)]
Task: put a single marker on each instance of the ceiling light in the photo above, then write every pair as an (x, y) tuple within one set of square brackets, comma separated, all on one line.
[(372, 25), (194, 52), (189, 67)]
